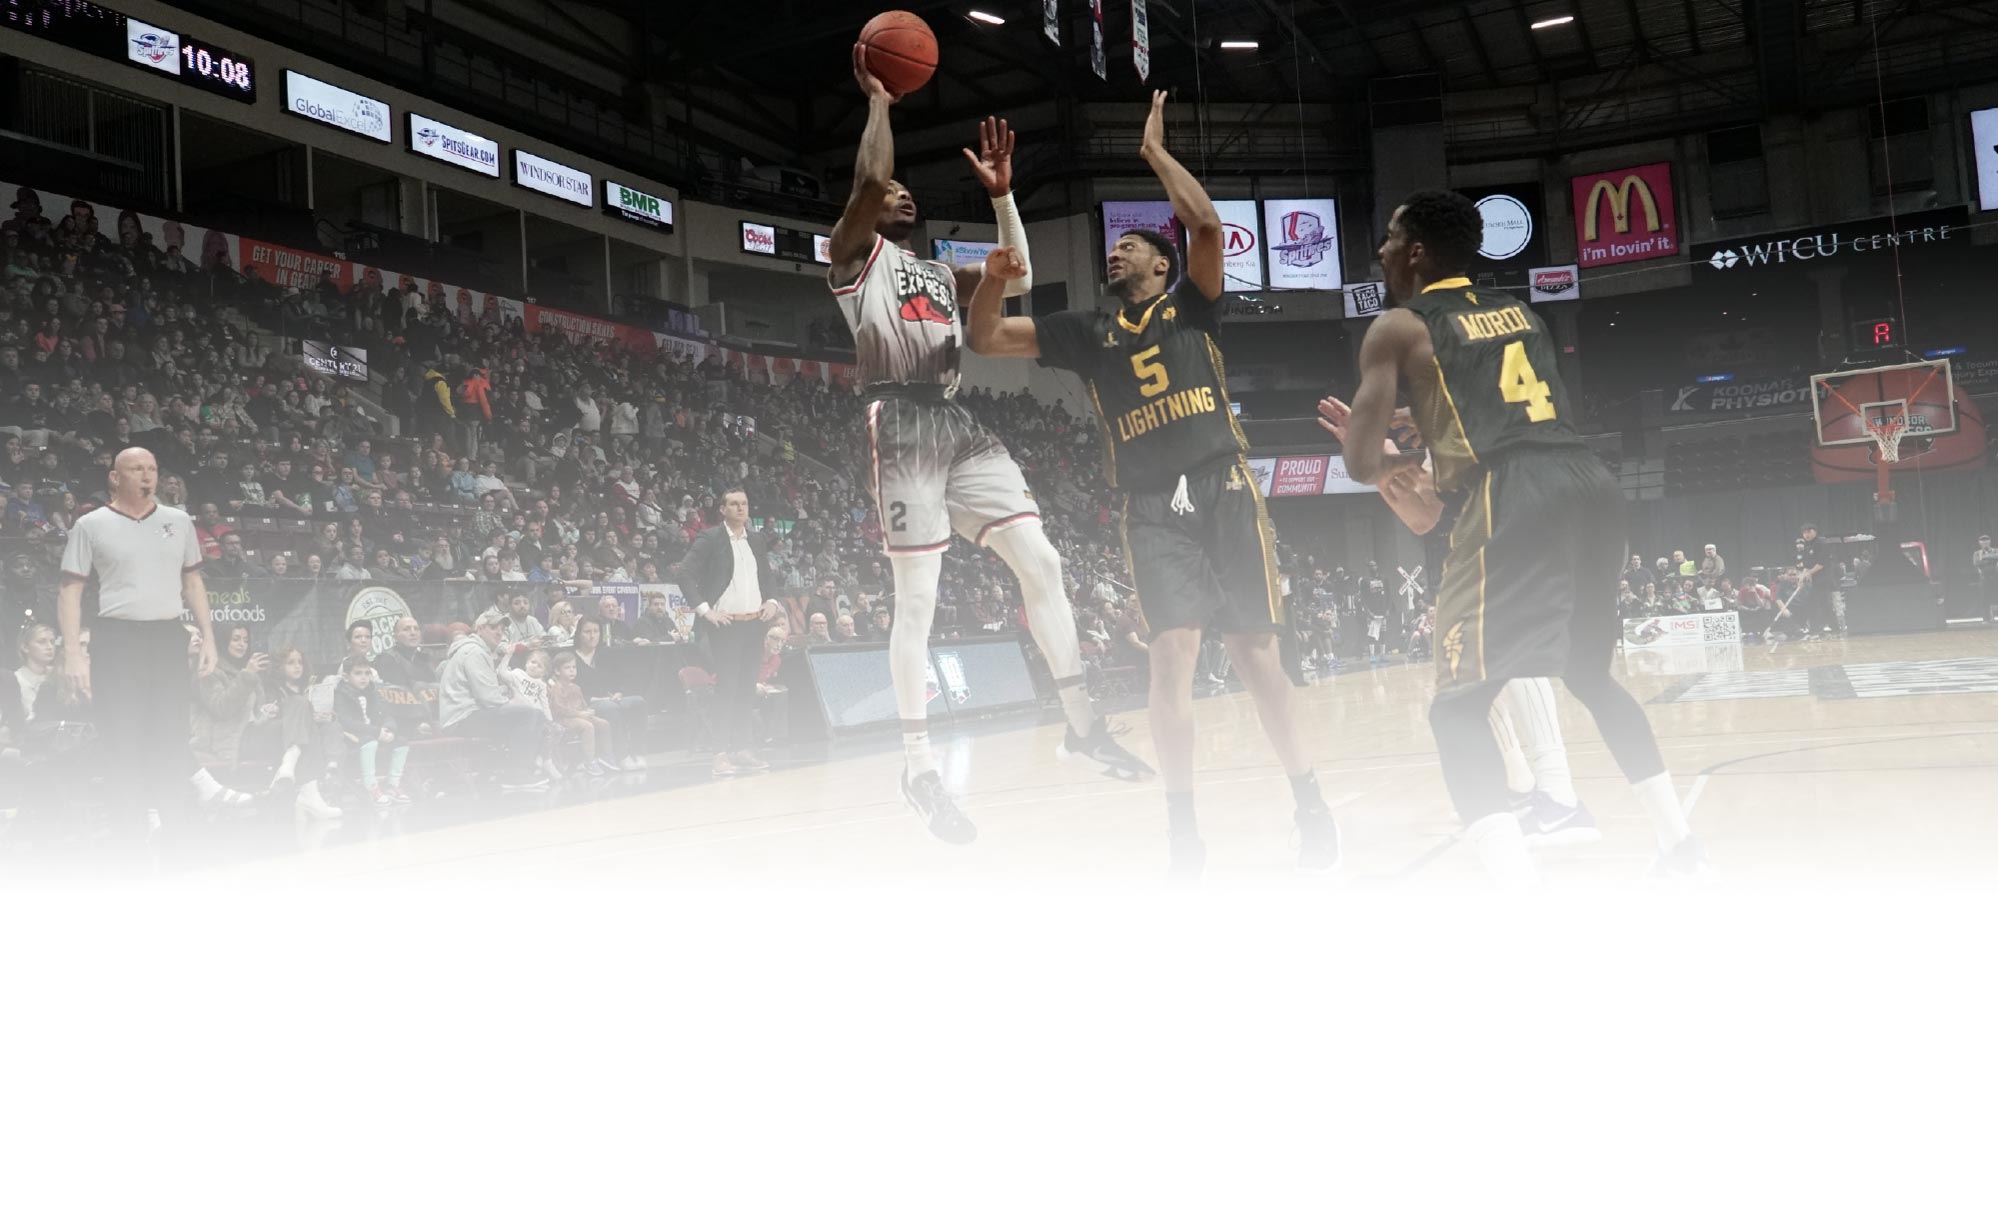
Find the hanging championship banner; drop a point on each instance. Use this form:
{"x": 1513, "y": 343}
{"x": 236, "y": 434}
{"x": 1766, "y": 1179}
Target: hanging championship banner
{"x": 1096, "y": 60}
{"x": 1141, "y": 40}
{"x": 1051, "y": 20}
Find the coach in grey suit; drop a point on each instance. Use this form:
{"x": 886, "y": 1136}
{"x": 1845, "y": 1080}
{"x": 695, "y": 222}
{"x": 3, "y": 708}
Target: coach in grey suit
{"x": 727, "y": 575}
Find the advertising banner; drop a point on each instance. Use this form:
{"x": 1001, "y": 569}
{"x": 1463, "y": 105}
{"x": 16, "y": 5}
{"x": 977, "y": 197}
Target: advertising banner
{"x": 37, "y": 211}
{"x": 1264, "y": 471}
{"x": 551, "y": 179}
{"x": 1515, "y": 236}
{"x": 1559, "y": 284}
{"x": 1121, "y": 216}
{"x": 446, "y": 143}
{"x": 1141, "y": 40}
{"x": 961, "y": 253}
{"x": 1366, "y": 299}
{"x": 1700, "y": 628}
{"x": 1241, "y": 246}
{"x": 1762, "y": 396}
{"x": 1097, "y": 63}
{"x": 963, "y": 678}
{"x": 1984, "y": 137}
{"x": 332, "y": 360}
{"x": 636, "y": 205}
{"x": 1939, "y": 230}
{"x": 1625, "y": 215}
{"x": 759, "y": 238}
{"x": 1299, "y": 476}
{"x": 1303, "y": 243}
{"x": 342, "y": 108}
{"x": 291, "y": 269}
{"x": 1051, "y": 20}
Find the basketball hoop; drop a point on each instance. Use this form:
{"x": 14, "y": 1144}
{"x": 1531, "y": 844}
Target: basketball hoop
{"x": 1887, "y": 433}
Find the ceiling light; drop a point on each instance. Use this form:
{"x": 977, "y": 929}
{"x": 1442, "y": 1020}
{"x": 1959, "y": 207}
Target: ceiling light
{"x": 1551, "y": 22}
{"x": 1240, "y": 44}
{"x": 985, "y": 18}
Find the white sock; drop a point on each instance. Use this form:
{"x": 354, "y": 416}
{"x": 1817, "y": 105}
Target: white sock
{"x": 1076, "y": 707}
{"x": 1529, "y": 703}
{"x": 916, "y": 752}
{"x": 205, "y": 784}
{"x": 1668, "y": 817}
{"x": 1502, "y": 849}
{"x": 1518, "y": 776}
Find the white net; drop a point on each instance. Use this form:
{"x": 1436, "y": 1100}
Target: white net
{"x": 1887, "y": 433}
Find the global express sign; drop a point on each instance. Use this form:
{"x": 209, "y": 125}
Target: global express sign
{"x": 1625, "y": 215}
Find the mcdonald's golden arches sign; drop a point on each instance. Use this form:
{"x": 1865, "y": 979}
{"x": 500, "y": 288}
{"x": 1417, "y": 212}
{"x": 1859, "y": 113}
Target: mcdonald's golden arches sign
{"x": 1625, "y": 215}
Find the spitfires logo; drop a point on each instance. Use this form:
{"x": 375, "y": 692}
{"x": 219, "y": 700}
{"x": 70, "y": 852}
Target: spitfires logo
{"x": 1304, "y": 239}
{"x": 155, "y": 47}
{"x": 428, "y": 136}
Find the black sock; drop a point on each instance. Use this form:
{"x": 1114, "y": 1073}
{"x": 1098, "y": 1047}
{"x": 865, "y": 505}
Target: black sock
{"x": 1179, "y": 811}
{"x": 1304, "y": 789}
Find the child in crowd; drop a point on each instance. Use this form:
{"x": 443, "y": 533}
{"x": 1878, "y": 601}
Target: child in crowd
{"x": 529, "y": 675}
{"x": 574, "y": 714}
{"x": 365, "y": 718}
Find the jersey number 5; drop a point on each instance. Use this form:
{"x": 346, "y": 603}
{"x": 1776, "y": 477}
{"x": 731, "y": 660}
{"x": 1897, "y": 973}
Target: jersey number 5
{"x": 1518, "y": 383}
{"x": 1154, "y": 376}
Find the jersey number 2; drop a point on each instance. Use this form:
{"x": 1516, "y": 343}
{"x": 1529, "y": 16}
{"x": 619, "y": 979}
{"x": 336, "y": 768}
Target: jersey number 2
{"x": 1154, "y": 376}
{"x": 898, "y": 515}
{"x": 1518, "y": 383}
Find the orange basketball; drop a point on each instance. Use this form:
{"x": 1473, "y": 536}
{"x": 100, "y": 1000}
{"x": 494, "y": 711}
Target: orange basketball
{"x": 901, "y": 51}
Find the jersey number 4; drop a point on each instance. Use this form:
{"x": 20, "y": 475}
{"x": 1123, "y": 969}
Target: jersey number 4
{"x": 1518, "y": 383}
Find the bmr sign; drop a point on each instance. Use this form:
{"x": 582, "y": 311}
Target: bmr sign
{"x": 1625, "y": 215}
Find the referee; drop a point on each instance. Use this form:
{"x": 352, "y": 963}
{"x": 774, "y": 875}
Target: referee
{"x": 147, "y": 562}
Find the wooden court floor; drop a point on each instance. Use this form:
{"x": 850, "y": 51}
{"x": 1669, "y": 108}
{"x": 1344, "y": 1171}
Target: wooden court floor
{"x": 1871, "y": 759}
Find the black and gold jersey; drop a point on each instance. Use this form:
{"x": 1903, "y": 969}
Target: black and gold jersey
{"x": 1497, "y": 386}
{"x": 1157, "y": 380}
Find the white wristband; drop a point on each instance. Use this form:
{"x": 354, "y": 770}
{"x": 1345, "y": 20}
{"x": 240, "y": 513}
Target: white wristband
{"x": 1013, "y": 234}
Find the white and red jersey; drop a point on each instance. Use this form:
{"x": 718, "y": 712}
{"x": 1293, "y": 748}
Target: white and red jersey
{"x": 903, "y": 314}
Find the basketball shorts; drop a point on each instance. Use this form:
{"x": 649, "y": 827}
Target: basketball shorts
{"x": 1530, "y": 583}
{"x": 1211, "y": 567}
{"x": 936, "y": 470}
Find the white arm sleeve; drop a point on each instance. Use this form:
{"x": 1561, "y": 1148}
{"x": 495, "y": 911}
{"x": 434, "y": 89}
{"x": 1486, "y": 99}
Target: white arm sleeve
{"x": 1013, "y": 234}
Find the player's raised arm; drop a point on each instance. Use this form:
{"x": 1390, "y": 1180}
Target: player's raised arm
{"x": 1190, "y": 204}
{"x": 993, "y": 165}
{"x": 987, "y": 329}
{"x": 873, "y": 172}
{"x": 1382, "y": 354}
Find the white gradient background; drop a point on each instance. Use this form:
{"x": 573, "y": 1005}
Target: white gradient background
{"x": 521, "y": 1042}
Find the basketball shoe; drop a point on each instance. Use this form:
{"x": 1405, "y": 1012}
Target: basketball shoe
{"x": 932, "y": 802}
{"x": 1317, "y": 839}
{"x": 1547, "y": 822}
{"x": 1099, "y": 745}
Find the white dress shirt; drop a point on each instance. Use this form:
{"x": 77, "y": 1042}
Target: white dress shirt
{"x": 744, "y": 594}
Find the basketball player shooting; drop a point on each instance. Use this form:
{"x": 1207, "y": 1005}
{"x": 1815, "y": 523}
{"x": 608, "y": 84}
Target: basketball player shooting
{"x": 1529, "y": 586}
{"x": 935, "y": 466}
{"x": 1197, "y": 536}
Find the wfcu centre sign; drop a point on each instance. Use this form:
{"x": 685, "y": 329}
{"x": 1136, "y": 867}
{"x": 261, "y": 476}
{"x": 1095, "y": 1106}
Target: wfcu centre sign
{"x": 1625, "y": 215}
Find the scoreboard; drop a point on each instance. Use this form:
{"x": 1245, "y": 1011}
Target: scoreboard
{"x": 108, "y": 33}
